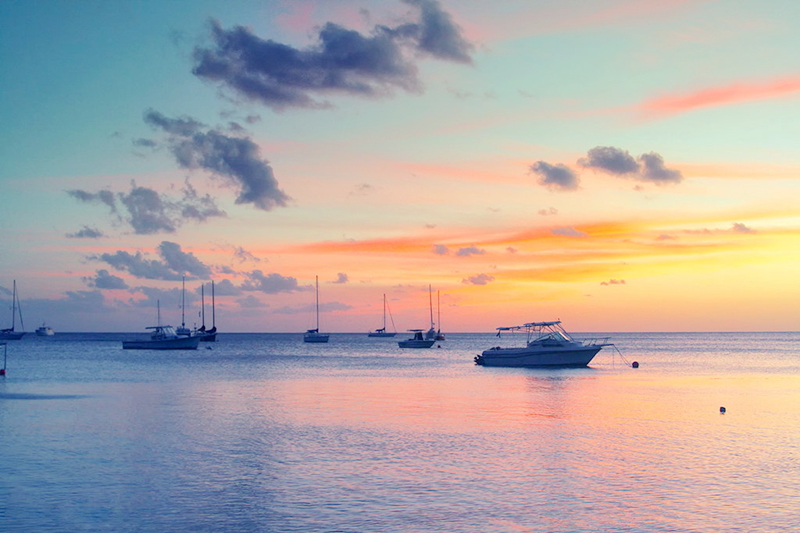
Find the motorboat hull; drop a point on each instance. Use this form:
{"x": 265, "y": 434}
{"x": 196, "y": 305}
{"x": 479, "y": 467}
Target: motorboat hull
{"x": 180, "y": 343}
{"x": 415, "y": 343}
{"x": 532, "y": 358}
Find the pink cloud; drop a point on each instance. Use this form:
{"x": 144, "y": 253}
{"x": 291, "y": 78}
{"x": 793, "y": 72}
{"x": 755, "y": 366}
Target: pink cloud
{"x": 669, "y": 105}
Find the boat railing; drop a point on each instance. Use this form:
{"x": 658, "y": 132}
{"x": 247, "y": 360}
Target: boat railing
{"x": 595, "y": 341}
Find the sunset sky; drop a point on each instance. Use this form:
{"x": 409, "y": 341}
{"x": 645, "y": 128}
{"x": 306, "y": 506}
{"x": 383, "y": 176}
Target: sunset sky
{"x": 623, "y": 165}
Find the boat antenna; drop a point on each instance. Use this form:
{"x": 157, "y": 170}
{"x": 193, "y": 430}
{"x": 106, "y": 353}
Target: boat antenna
{"x": 430, "y": 302}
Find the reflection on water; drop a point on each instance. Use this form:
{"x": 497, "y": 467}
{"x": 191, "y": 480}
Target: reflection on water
{"x": 264, "y": 433}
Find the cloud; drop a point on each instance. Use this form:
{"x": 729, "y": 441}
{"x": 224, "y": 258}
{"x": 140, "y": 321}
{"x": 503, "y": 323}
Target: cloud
{"x": 342, "y": 61}
{"x": 647, "y": 167}
{"x": 166, "y": 298}
{"x": 250, "y": 302}
{"x": 149, "y": 212}
{"x": 342, "y": 278}
{"x": 470, "y": 250}
{"x": 568, "y": 232}
{"x": 86, "y": 233}
{"x": 235, "y": 159}
{"x": 243, "y": 255}
{"x": 174, "y": 265}
{"x": 549, "y": 211}
{"x": 555, "y": 176}
{"x": 440, "y": 249}
{"x": 613, "y": 282}
{"x": 669, "y": 105}
{"x": 738, "y": 227}
{"x": 271, "y": 283}
{"x": 611, "y": 160}
{"x": 104, "y": 280}
{"x": 226, "y": 287}
{"x": 480, "y": 279}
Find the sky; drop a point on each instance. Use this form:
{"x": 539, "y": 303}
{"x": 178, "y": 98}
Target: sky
{"x": 620, "y": 165}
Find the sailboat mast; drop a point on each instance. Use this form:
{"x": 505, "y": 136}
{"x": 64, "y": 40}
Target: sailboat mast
{"x": 203, "y": 305}
{"x": 316, "y": 298}
{"x": 430, "y": 302}
{"x": 213, "y": 312}
{"x": 438, "y": 311}
{"x": 183, "y": 301}
{"x": 14, "y": 306}
{"x": 384, "y": 312}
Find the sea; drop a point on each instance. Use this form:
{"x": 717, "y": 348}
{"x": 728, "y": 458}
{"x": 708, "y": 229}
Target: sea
{"x": 264, "y": 433}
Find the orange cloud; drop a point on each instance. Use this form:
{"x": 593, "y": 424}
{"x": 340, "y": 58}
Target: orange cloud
{"x": 669, "y": 105}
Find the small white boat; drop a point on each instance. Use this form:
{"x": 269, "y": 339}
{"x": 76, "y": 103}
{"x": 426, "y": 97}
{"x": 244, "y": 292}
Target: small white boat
{"x": 44, "y": 331}
{"x": 416, "y": 341}
{"x": 381, "y": 332}
{"x": 547, "y": 345}
{"x": 163, "y": 338}
{"x": 313, "y": 335}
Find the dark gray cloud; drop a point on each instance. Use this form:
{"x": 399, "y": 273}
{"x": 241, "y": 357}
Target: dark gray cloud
{"x": 226, "y": 287}
{"x": 183, "y": 262}
{"x": 440, "y": 249}
{"x": 480, "y": 279}
{"x": 647, "y": 167}
{"x": 342, "y": 61}
{"x": 235, "y": 159}
{"x": 613, "y": 282}
{"x": 555, "y": 176}
{"x": 610, "y": 159}
{"x": 175, "y": 264}
{"x": 86, "y": 233}
{"x": 470, "y": 250}
{"x": 271, "y": 283}
{"x": 104, "y": 280}
{"x": 250, "y": 302}
{"x": 341, "y": 278}
{"x": 149, "y": 212}
{"x": 653, "y": 169}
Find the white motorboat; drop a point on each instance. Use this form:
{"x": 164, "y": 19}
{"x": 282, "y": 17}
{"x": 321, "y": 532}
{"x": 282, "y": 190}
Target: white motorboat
{"x": 381, "y": 332}
{"x": 417, "y": 340}
{"x": 313, "y": 335}
{"x": 44, "y": 331}
{"x": 10, "y": 334}
{"x": 547, "y": 345}
{"x": 163, "y": 338}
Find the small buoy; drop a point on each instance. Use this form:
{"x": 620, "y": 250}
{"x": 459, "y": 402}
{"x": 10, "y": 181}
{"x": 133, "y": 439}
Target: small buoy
{"x": 635, "y": 364}
{"x": 722, "y": 410}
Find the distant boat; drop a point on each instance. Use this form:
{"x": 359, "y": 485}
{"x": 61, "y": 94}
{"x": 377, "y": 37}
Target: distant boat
{"x": 381, "y": 332}
{"x": 209, "y": 335}
{"x": 416, "y": 341}
{"x": 313, "y": 335}
{"x": 163, "y": 338}
{"x": 44, "y": 331}
{"x": 547, "y": 345}
{"x": 9, "y": 334}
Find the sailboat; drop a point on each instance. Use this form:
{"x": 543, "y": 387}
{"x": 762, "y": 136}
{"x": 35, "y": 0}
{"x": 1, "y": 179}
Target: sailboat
{"x": 431, "y": 333}
{"x": 211, "y": 334}
{"x": 182, "y": 329}
{"x": 9, "y": 334}
{"x": 439, "y": 334}
{"x": 313, "y": 335}
{"x": 381, "y": 332}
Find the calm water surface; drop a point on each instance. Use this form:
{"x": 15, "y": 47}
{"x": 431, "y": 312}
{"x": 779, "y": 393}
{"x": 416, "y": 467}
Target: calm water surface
{"x": 266, "y": 433}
